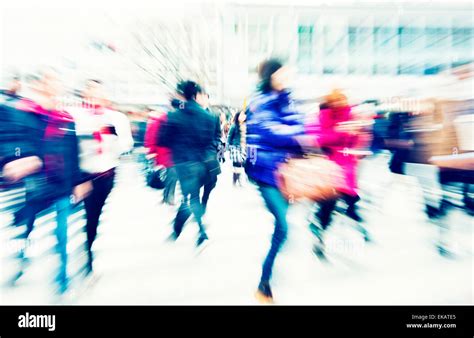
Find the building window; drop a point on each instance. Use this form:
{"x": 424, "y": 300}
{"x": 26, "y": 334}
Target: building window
{"x": 335, "y": 50}
{"x": 360, "y": 50}
{"x": 385, "y": 50}
{"x": 306, "y": 62}
{"x": 411, "y": 46}
{"x": 437, "y": 49}
{"x": 258, "y": 44}
{"x": 462, "y": 46}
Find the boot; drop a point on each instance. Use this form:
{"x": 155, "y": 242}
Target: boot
{"x": 319, "y": 246}
{"x": 237, "y": 180}
{"x": 352, "y": 213}
{"x": 352, "y": 208}
{"x": 264, "y": 293}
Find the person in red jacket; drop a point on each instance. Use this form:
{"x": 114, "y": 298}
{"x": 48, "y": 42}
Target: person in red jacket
{"x": 338, "y": 134}
{"x": 162, "y": 155}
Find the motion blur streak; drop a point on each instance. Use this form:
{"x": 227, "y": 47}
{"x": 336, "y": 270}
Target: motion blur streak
{"x": 324, "y": 151}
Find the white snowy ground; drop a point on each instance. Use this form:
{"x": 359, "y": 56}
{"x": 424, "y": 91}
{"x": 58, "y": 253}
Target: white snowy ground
{"x": 136, "y": 265}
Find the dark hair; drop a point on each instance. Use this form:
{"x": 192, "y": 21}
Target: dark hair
{"x": 236, "y": 118}
{"x": 99, "y": 82}
{"x": 265, "y": 71}
{"x": 189, "y": 89}
{"x": 176, "y": 103}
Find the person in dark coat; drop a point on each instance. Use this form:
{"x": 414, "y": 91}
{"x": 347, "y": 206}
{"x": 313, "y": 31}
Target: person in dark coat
{"x": 53, "y": 141}
{"x": 236, "y": 144}
{"x": 213, "y": 156}
{"x": 19, "y": 131}
{"x": 189, "y": 133}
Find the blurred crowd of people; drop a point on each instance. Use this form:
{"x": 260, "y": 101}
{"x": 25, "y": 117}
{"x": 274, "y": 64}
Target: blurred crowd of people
{"x": 66, "y": 155}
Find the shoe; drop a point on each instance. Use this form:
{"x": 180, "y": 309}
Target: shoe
{"x": 62, "y": 286}
{"x": 318, "y": 250}
{"x": 366, "y": 235}
{"x": 88, "y": 270}
{"x": 316, "y": 230}
{"x": 13, "y": 281}
{"x": 169, "y": 201}
{"x": 353, "y": 214}
{"x": 202, "y": 238}
{"x": 444, "y": 251}
{"x": 264, "y": 293}
{"x": 172, "y": 238}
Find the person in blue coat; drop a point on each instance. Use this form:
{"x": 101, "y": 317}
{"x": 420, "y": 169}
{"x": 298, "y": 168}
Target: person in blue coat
{"x": 274, "y": 131}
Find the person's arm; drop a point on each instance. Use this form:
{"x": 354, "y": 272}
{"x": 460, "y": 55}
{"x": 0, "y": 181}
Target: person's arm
{"x": 217, "y": 134}
{"x": 232, "y": 132}
{"x": 330, "y": 135}
{"x": 124, "y": 133}
{"x": 20, "y": 143}
{"x": 81, "y": 185}
{"x": 270, "y": 131}
{"x": 151, "y": 134}
{"x": 166, "y": 132}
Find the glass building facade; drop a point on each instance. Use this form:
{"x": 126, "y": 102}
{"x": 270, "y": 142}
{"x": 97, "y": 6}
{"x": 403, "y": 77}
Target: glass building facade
{"x": 350, "y": 41}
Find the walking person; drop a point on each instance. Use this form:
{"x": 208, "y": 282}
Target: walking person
{"x": 162, "y": 155}
{"x": 236, "y": 142}
{"x": 104, "y": 136}
{"x": 54, "y": 142}
{"x": 189, "y": 132}
{"x": 222, "y": 145}
{"x": 11, "y": 92}
{"x": 337, "y": 135}
{"x": 213, "y": 153}
{"x": 273, "y": 128}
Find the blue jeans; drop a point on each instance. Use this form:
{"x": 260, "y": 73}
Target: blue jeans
{"x": 191, "y": 177}
{"x": 278, "y": 206}
{"x": 63, "y": 210}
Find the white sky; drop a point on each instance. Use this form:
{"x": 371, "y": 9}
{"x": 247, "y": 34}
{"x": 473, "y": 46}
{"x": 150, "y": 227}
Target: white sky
{"x": 179, "y": 3}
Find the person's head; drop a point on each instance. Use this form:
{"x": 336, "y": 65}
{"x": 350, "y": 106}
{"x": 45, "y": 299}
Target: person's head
{"x": 190, "y": 90}
{"x": 46, "y": 83}
{"x": 14, "y": 85}
{"x": 94, "y": 91}
{"x": 242, "y": 117}
{"x": 10, "y": 81}
{"x": 235, "y": 119}
{"x": 239, "y": 117}
{"x": 336, "y": 99}
{"x": 223, "y": 117}
{"x": 273, "y": 76}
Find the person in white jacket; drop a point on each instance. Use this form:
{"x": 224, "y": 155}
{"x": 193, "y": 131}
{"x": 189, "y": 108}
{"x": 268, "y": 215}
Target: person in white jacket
{"x": 104, "y": 135}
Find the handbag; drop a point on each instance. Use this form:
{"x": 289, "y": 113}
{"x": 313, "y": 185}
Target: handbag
{"x": 312, "y": 177}
{"x": 156, "y": 176}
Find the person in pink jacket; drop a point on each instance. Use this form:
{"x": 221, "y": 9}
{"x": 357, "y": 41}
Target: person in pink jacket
{"x": 162, "y": 155}
{"x": 338, "y": 135}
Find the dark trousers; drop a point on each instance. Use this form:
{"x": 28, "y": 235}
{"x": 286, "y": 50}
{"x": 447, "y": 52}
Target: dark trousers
{"x": 191, "y": 177}
{"x": 326, "y": 208}
{"x": 170, "y": 185}
{"x": 27, "y": 215}
{"x": 278, "y": 206}
{"x": 102, "y": 186}
{"x": 208, "y": 187}
{"x": 397, "y": 163}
